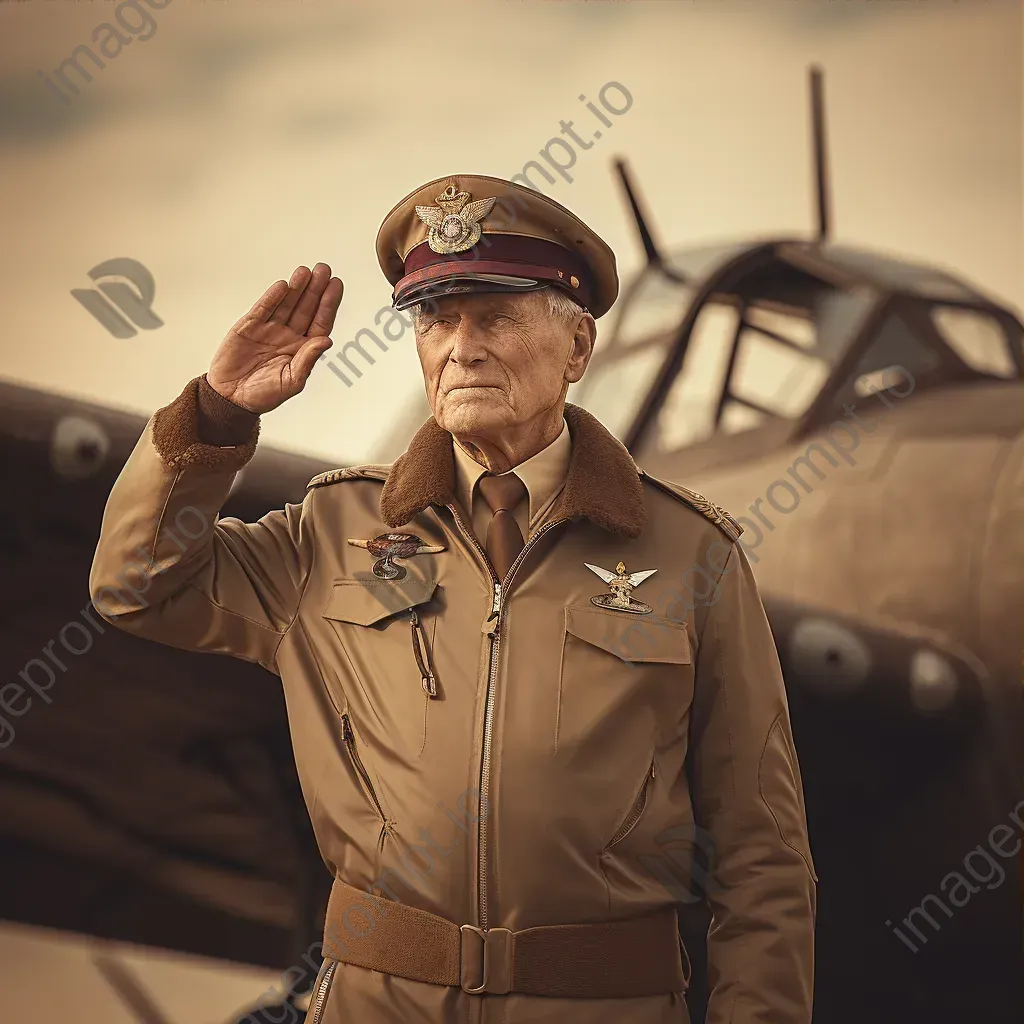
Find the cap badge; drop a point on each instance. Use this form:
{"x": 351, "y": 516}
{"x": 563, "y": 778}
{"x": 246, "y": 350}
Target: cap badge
{"x": 454, "y": 222}
{"x": 622, "y": 583}
{"x": 389, "y": 546}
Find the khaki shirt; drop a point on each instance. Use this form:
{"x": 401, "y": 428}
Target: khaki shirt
{"x": 543, "y": 474}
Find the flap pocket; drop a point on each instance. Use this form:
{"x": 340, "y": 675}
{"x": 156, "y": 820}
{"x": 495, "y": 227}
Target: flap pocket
{"x": 365, "y": 602}
{"x": 630, "y": 637}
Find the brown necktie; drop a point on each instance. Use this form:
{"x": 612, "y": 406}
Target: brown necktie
{"x": 504, "y": 538}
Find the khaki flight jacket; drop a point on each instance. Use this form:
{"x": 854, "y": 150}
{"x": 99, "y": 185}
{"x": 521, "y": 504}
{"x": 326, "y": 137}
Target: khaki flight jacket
{"x": 512, "y": 756}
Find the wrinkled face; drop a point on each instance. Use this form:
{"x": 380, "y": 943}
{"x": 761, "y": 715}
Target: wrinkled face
{"x": 496, "y": 361}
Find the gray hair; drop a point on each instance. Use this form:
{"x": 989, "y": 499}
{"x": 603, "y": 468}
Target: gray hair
{"x": 561, "y": 306}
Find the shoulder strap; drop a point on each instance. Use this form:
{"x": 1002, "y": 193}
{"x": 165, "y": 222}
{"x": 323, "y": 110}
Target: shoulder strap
{"x": 725, "y": 522}
{"x": 334, "y": 476}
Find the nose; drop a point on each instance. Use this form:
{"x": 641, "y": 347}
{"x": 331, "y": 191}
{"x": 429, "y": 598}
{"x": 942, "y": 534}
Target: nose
{"x": 467, "y": 344}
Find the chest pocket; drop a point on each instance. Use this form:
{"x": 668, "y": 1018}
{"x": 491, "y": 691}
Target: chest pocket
{"x": 621, "y": 677}
{"x": 386, "y": 628}
{"x": 367, "y": 602}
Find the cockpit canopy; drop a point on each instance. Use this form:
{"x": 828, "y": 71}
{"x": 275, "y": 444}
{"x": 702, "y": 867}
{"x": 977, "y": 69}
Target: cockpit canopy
{"x": 784, "y": 334}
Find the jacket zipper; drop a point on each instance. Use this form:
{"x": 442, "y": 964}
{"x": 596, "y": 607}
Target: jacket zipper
{"x": 350, "y": 743}
{"x": 321, "y": 994}
{"x": 422, "y": 653}
{"x": 492, "y": 663}
{"x": 639, "y": 805}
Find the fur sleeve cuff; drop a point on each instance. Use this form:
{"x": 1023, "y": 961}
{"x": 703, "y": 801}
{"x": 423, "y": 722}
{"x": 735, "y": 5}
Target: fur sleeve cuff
{"x": 183, "y": 430}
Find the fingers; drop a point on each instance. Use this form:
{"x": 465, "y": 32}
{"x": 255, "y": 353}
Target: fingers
{"x": 303, "y": 361}
{"x": 266, "y": 303}
{"x": 323, "y": 322}
{"x": 296, "y": 284}
{"x": 309, "y": 300}
{"x": 309, "y": 297}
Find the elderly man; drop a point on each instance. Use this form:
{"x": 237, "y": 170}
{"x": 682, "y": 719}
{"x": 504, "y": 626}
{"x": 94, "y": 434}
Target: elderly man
{"x": 501, "y": 721}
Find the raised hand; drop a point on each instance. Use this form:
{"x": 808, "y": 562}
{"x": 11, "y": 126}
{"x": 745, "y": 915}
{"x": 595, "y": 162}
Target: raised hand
{"x": 268, "y": 355}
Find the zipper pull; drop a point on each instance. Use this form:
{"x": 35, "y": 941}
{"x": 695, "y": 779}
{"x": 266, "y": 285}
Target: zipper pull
{"x": 385, "y": 830}
{"x": 422, "y": 655}
{"x": 346, "y": 729}
{"x": 496, "y": 603}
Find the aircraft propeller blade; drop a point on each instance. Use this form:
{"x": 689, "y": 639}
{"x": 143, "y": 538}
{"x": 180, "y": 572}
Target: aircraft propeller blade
{"x": 820, "y": 144}
{"x": 646, "y": 238}
{"x": 130, "y": 990}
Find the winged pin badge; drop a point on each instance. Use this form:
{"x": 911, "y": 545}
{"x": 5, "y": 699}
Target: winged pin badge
{"x": 622, "y": 583}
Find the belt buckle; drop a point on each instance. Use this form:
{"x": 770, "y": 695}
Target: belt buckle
{"x": 495, "y": 958}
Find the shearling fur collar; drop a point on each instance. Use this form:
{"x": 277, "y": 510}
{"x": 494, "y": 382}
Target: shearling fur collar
{"x": 603, "y": 481}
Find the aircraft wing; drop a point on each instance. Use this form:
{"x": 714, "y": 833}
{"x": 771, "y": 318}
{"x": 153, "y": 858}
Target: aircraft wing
{"x": 903, "y": 762}
{"x": 911, "y": 680}
{"x": 146, "y": 794}
{"x": 906, "y": 752}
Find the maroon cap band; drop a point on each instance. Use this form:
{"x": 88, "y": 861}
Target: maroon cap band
{"x": 512, "y": 255}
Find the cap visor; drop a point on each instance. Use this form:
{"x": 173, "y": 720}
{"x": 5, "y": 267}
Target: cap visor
{"x": 460, "y": 284}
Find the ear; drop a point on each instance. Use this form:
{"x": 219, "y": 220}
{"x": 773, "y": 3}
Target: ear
{"x": 582, "y": 348}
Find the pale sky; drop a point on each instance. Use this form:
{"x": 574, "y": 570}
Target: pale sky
{"x": 242, "y": 139}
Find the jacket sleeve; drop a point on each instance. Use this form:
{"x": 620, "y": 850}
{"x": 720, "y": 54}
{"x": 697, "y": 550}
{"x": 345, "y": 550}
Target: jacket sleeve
{"x": 168, "y": 569}
{"x": 748, "y": 796}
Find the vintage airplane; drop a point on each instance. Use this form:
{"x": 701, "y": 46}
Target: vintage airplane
{"x": 147, "y": 795}
{"x": 863, "y": 415}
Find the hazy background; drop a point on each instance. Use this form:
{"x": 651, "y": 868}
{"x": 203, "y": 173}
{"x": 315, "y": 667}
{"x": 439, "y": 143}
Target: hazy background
{"x": 244, "y": 138}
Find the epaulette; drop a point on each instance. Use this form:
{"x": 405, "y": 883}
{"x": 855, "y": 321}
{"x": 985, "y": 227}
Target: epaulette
{"x": 333, "y": 476}
{"x": 725, "y": 522}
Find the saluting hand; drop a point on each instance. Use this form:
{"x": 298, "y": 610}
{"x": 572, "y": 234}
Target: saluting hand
{"x": 268, "y": 355}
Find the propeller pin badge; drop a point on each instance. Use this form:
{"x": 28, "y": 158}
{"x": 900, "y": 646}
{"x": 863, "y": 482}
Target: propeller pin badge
{"x": 390, "y": 546}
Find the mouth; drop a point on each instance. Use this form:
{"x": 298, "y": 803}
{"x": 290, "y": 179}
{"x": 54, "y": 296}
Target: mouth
{"x": 471, "y": 387}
